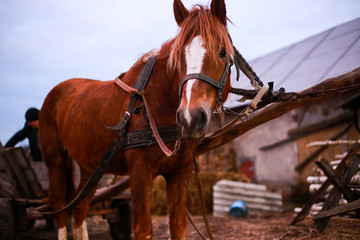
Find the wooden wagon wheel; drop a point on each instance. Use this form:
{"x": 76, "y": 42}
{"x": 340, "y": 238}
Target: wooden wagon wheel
{"x": 7, "y": 219}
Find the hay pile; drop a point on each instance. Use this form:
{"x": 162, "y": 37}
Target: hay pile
{"x": 208, "y": 179}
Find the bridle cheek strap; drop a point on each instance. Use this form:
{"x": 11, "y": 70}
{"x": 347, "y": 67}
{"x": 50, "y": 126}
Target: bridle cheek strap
{"x": 220, "y": 85}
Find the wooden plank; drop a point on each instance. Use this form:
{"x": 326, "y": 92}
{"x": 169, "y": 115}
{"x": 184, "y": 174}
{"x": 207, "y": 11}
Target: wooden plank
{"x": 331, "y": 142}
{"x": 19, "y": 191}
{"x": 312, "y": 156}
{"x": 25, "y": 175}
{"x": 20, "y": 171}
{"x": 6, "y": 189}
{"x": 351, "y": 206}
{"x": 16, "y": 167}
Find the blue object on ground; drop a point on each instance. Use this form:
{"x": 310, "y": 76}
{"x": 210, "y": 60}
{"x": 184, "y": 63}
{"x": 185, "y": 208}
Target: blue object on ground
{"x": 238, "y": 209}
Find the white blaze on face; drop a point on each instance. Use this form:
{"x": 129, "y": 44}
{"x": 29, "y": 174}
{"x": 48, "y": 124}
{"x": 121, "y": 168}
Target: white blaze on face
{"x": 194, "y": 56}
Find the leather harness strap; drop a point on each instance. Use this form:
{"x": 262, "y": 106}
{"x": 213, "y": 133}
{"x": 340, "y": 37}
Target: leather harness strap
{"x": 119, "y": 143}
{"x": 153, "y": 127}
{"x": 139, "y": 87}
{"x": 145, "y": 137}
{"x": 161, "y": 143}
{"x": 217, "y": 84}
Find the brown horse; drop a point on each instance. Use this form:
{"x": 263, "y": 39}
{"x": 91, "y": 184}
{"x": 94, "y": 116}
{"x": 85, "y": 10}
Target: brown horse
{"x": 75, "y": 114}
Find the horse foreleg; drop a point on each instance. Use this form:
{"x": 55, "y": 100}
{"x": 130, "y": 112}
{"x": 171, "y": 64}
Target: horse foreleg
{"x": 141, "y": 185}
{"x": 177, "y": 185}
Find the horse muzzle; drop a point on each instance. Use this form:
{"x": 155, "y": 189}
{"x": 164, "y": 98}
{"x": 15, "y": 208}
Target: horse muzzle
{"x": 193, "y": 123}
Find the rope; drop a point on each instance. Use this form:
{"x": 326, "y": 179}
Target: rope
{"x": 202, "y": 201}
{"x": 194, "y": 225}
{"x": 256, "y": 82}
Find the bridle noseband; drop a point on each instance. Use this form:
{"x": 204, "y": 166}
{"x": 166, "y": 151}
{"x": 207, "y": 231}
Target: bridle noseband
{"x": 220, "y": 85}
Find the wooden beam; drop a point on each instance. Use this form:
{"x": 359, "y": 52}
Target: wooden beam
{"x": 111, "y": 191}
{"x": 331, "y": 201}
{"x": 335, "y": 179}
{"x": 345, "y": 83}
{"x": 352, "y": 206}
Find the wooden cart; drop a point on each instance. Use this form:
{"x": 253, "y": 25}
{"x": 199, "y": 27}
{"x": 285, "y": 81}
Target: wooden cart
{"x": 23, "y": 184}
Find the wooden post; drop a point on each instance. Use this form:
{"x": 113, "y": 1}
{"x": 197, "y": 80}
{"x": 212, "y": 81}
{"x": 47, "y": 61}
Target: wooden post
{"x": 336, "y": 179}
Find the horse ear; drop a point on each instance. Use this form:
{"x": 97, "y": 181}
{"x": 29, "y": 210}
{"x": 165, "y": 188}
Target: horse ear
{"x": 180, "y": 12}
{"x": 219, "y": 10}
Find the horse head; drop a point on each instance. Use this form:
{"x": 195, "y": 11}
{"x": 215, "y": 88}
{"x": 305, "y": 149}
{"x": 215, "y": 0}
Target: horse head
{"x": 201, "y": 54}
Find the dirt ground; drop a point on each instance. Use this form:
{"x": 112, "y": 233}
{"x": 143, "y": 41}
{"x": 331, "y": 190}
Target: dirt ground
{"x": 267, "y": 226}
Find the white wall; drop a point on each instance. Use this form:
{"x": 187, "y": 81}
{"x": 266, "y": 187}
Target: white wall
{"x": 275, "y": 165}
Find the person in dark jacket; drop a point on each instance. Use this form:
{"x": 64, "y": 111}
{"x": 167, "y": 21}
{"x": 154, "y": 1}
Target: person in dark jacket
{"x": 29, "y": 131}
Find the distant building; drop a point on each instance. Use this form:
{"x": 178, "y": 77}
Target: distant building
{"x": 270, "y": 153}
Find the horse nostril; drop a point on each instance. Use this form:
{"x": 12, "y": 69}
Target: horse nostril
{"x": 178, "y": 117}
{"x": 202, "y": 120}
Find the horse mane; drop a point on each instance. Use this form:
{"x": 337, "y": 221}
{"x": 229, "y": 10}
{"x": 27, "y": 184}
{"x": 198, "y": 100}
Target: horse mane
{"x": 145, "y": 57}
{"x": 200, "y": 22}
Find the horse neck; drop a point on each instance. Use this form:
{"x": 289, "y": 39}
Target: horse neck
{"x": 161, "y": 90}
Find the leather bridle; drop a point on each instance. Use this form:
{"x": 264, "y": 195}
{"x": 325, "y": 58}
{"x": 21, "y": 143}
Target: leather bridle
{"x": 220, "y": 85}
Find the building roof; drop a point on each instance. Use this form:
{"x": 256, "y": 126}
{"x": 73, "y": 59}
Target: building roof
{"x": 308, "y": 62}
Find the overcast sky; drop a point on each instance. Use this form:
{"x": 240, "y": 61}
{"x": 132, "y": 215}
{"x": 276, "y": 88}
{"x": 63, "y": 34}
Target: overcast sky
{"x": 43, "y": 42}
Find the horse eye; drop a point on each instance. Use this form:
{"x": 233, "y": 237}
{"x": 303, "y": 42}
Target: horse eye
{"x": 222, "y": 53}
